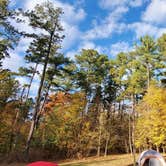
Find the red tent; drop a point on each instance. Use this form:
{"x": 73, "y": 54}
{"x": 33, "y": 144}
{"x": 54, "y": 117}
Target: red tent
{"x": 42, "y": 163}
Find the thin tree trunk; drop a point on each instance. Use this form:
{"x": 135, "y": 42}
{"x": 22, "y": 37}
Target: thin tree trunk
{"x": 106, "y": 145}
{"x": 12, "y": 132}
{"x": 133, "y": 130}
{"x": 16, "y": 121}
{"x": 126, "y": 146}
{"x": 37, "y": 105}
{"x": 148, "y": 77}
{"x": 163, "y": 150}
{"x": 99, "y": 142}
{"x": 22, "y": 94}
{"x": 42, "y": 107}
{"x": 43, "y": 138}
{"x": 157, "y": 148}
{"x": 33, "y": 74}
{"x": 130, "y": 142}
{"x": 100, "y": 129}
{"x": 107, "y": 126}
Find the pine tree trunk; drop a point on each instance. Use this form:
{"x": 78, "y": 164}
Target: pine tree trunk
{"x": 37, "y": 104}
{"x": 130, "y": 142}
{"x": 13, "y": 129}
{"x": 34, "y": 72}
{"x": 148, "y": 76}
{"x": 106, "y": 145}
{"x": 17, "y": 125}
{"x": 42, "y": 107}
{"x": 99, "y": 142}
{"x": 163, "y": 150}
{"x": 157, "y": 148}
{"x": 43, "y": 138}
{"x": 127, "y": 147}
{"x": 100, "y": 127}
{"x": 133, "y": 130}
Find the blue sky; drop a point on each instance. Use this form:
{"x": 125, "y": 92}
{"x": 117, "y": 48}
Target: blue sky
{"x": 109, "y": 26}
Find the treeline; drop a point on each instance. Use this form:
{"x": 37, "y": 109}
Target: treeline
{"x": 87, "y": 106}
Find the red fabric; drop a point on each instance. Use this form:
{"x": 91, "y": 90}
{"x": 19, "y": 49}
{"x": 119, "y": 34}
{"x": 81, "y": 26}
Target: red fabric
{"x": 42, "y": 163}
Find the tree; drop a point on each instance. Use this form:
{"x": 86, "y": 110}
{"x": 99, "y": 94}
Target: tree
{"x": 148, "y": 57}
{"x": 9, "y": 36}
{"x": 128, "y": 75}
{"x": 8, "y": 87}
{"x": 64, "y": 124}
{"x": 151, "y": 118}
{"x": 92, "y": 70}
{"x": 46, "y": 19}
{"x": 161, "y": 43}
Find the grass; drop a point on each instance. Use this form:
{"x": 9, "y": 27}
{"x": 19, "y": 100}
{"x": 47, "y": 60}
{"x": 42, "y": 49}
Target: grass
{"x": 112, "y": 160}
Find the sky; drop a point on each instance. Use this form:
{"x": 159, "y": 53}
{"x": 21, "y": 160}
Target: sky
{"x": 109, "y": 26}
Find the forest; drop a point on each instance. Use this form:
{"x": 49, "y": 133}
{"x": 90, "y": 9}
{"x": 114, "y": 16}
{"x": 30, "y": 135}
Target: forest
{"x": 87, "y": 106}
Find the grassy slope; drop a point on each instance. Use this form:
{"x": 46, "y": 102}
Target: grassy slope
{"x": 112, "y": 160}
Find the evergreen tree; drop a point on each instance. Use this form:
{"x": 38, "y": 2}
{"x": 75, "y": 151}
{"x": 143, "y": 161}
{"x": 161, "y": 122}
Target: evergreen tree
{"x": 46, "y": 19}
{"x": 9, "y": 36}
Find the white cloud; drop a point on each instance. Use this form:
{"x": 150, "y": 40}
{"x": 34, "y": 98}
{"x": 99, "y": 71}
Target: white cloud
{"x": 91, "y": 45}
{"x": 23, "y": 45}
{"x": 70, "y": 20}
{"x": 155, "y": 12}
{"x": 73, "y": 15}
{"x": 83, "y": 45}
{"x": 34, "y": 88}
{"x": 117, "y": 13}
{"x": 87, "y": 45}
{"x": 137, "y": 3}
{"x": 12, "y": 3}
{"x": 109, "y": 25}
{"x": 119, "y": 47}
{"x": 22, "y": 80}
{"x": 71, "y": 54}
{"x": 153, "y": 20}
{"x": 14, "y": 62}
{"x": 109, "y": 4}
{"x": 79, "y": 3}
{"x": 142, "y": 29}
{"x": 72, "y": 35}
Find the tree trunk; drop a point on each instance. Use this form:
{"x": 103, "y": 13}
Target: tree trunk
{"x": 130, "y": 142}
{"x": 99, "y": 142}
{"x": 106, "y": 145}
{"x": 42, "y": 107}
{"x": 148, "y": 76}
{"x": 100, "y": 129}
{"x": 43, "y": 138}
{"x": 126, "y": 146}
{"x": 33, "y": 74}
{"x": 163, "y": 150}
{"x": 37, "y": 104}
{"x": 133, "y": 130}
{"x": 157, "y": 147}
{"x": 22, "y": 94}
{"x": 13, "y": 131}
